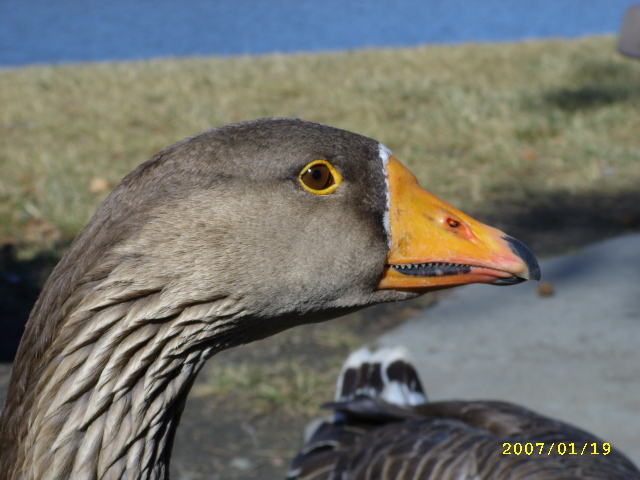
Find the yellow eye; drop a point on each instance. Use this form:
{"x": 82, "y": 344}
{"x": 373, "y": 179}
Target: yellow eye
{"x": 320, "y": 177}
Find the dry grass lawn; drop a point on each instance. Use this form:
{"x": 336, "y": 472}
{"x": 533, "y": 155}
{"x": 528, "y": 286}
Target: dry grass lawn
{"x": 479, "y": 124}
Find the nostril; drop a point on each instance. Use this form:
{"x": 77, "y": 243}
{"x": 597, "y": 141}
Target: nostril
{"x": 453, "y": 223}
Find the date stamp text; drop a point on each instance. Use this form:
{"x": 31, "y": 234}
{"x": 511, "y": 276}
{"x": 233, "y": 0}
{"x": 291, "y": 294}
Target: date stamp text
{"x": 562, "y": 448}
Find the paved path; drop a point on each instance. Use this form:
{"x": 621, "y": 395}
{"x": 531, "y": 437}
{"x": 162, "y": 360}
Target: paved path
{"x": 574, "y": 355}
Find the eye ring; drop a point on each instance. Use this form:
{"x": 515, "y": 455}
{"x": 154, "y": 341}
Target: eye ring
{"x": 320, "y": 177}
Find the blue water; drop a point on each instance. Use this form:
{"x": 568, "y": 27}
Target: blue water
{"x": 45, "y": 31}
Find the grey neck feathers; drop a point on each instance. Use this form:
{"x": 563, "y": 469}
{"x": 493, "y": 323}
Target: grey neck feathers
{"x": 108, "y": 358}
{"x": 108, "y": 404}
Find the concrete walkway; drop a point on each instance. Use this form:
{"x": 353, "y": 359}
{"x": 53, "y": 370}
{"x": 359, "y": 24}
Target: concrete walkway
{"x": 574, "y": 355}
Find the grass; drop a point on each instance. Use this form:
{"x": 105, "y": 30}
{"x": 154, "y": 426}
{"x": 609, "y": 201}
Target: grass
{"x": 480, "y": 125}
{"x": 266, "y": 379}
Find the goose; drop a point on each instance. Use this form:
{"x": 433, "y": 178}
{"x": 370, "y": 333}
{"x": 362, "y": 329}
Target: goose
{"x": 384, "y": 428}
{"x": 221, "y": 239}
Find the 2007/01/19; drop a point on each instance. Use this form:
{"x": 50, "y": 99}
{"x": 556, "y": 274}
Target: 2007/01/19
{"x": 562, "y": 448}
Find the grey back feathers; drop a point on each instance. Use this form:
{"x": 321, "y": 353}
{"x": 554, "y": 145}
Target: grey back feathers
{"x": 380, "y": 431}
{"x": 184, "y": 259}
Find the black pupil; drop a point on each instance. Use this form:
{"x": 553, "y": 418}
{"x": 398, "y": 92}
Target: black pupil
{"x": 318, "y": 177}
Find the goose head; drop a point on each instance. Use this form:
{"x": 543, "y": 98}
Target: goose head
{"x": 299, "y": 220}
{"x": 221, "y": 239}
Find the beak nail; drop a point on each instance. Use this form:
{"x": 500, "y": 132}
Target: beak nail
{"x": 521, "y": 250}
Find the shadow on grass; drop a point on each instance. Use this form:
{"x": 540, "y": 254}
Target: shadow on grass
{"x": 20, "y": 285}
{"x": 596, "y": 85}
{"x": 589, "y": 97}
{"x": 552, "y": 224}
{"x": 549, "y": 224}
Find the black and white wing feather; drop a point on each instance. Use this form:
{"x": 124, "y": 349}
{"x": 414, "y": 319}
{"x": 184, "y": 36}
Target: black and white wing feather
{"x": 383, "y": 428}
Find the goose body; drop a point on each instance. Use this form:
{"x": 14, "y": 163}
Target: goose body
{"x": 384, "y": 428}
{"x": 221, "y": 239}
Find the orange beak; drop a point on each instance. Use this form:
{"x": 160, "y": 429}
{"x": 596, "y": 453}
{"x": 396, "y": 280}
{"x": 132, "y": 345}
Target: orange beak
{"x": 434, "y": 245}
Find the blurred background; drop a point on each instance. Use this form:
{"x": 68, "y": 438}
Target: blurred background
{"x": 36, "y": 31}
{"x": 523, "y": 114}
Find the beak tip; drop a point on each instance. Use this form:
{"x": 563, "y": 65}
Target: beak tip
{"x": 527, "y": 256}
